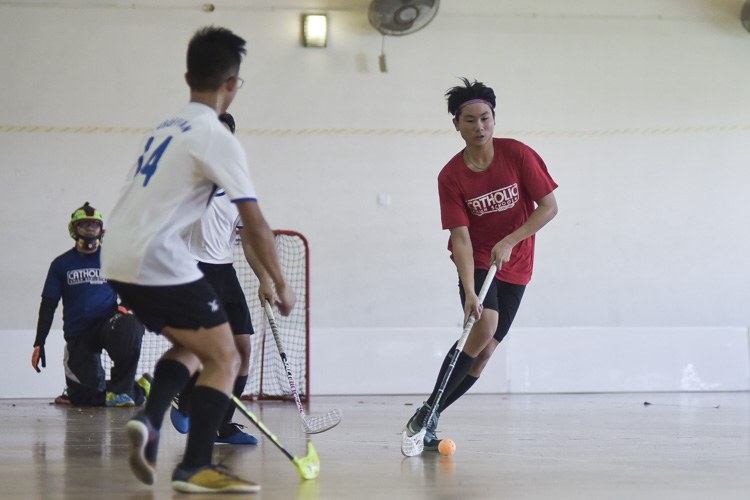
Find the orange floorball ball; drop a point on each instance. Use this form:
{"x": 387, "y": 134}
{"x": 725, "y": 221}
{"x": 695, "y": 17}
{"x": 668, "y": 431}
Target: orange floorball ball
{"x": 447, "y": 447}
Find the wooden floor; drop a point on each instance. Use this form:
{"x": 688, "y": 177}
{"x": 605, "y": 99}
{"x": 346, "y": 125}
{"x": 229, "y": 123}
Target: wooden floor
{"x": 605, "y": 446}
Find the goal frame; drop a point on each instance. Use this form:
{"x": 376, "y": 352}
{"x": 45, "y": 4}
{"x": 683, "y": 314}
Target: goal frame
{"x": 154, "y": 345}
{"x": 265, "y": 332}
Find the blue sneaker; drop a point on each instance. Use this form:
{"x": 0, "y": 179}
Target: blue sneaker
{"x": 118, "y": 400}
{"x": 180, "y": 421}
{"x": 232, "y": 433}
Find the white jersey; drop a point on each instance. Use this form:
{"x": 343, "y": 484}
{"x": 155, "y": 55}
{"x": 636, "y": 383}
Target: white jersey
{"x": 183, "y": 161}
{"x": 212, "y": 239}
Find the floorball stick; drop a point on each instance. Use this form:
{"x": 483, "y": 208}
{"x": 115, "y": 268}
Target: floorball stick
{"x": 308, "y": 467}
{"x": 310, "y": 424}
{"x": 412, "y": 445}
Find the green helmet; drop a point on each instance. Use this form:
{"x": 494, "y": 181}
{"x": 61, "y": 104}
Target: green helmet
{"x": 86, "y": 212}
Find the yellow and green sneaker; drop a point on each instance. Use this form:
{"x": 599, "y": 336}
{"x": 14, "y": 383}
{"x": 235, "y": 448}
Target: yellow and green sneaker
{"x": 118, "y": 400}
{"x": 145, "y": 383}
{"x": 210, "y": 479}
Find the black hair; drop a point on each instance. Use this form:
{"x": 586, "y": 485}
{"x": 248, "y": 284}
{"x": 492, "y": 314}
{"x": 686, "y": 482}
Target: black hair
{"x": 228, "y": 119}
{"x": 213, "y": 56}
{"x": 468, "y": 91}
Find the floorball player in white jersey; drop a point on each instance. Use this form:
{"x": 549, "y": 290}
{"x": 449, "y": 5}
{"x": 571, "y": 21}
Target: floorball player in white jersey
{"x": 211, "y": 242}
{"x": 180, "y": 165}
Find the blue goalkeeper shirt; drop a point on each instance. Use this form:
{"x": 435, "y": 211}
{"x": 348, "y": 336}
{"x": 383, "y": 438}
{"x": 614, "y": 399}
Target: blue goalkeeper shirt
{"x": 86, "y": 296}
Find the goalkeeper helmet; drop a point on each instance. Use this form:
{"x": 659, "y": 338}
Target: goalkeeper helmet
{"x": 86, "y": 213}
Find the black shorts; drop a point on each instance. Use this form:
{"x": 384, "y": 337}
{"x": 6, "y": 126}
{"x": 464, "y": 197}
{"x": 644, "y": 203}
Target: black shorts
{"x": 223, "y": 278}
{"x": 190, "y": 306}
{"x": 503, "y": 297}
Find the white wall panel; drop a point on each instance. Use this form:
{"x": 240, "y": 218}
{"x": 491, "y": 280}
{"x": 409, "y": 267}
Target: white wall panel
{"x": 628, "y": 359}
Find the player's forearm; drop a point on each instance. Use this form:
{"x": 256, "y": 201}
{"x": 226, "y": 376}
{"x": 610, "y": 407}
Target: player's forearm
{"x": 44, "y": 323}
{"x": 544, "y": 212}
{"x": 463, "y": 257}
{"x": 260, "y": 237}
{"x": 264, "y": 248}
{"x": 253, "y": 259}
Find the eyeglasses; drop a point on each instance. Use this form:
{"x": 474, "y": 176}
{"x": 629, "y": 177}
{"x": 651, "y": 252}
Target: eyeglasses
{"x": 240, "y": 81}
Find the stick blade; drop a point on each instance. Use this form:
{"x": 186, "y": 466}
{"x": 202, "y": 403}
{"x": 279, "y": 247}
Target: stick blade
{"x": 411, "y": 446}
{"x": 309, "y": 466}
{"x": 315, "y": 425}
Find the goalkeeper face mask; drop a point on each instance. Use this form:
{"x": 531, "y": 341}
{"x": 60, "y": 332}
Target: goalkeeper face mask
{"x": 86, "y": 227}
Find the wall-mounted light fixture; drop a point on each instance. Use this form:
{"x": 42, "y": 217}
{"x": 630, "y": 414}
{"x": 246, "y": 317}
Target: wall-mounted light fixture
{"x": 314, "y": 30}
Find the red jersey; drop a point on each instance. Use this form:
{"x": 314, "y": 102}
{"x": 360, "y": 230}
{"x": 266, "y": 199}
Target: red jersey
{"x": 495, "y": 202}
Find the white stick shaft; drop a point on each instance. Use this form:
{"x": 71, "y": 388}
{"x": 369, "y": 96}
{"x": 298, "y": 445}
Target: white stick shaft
{"x": 461, "y": 342}
{"x": 280, "y": 347}
{"x": 310, "y": 425}
{"x": 413, "y": 445}
{"x": 472, "y": 319}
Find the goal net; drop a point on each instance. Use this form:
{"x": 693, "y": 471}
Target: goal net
{"x": 267, "y": 378}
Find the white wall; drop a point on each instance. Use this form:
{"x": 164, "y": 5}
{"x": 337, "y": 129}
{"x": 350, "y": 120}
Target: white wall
{"x": 532, "y": 360}
{"x": 539, "y": 360}
{"x": 640, "y": 110}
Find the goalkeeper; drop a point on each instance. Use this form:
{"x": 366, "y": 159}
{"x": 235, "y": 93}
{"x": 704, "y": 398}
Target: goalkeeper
{"x": 92, "y": 321}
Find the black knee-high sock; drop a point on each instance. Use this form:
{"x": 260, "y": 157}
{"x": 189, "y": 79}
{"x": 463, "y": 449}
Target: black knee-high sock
{"x": 441, "y": 373}
{"x": 460, "y": 370}
{"x": 239, "y": 387}
{"x": 186, "y": 391}
{"x": 451, "y": 398}
{"x": 207, "y": 408}
{"x": 169, "y": 377}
